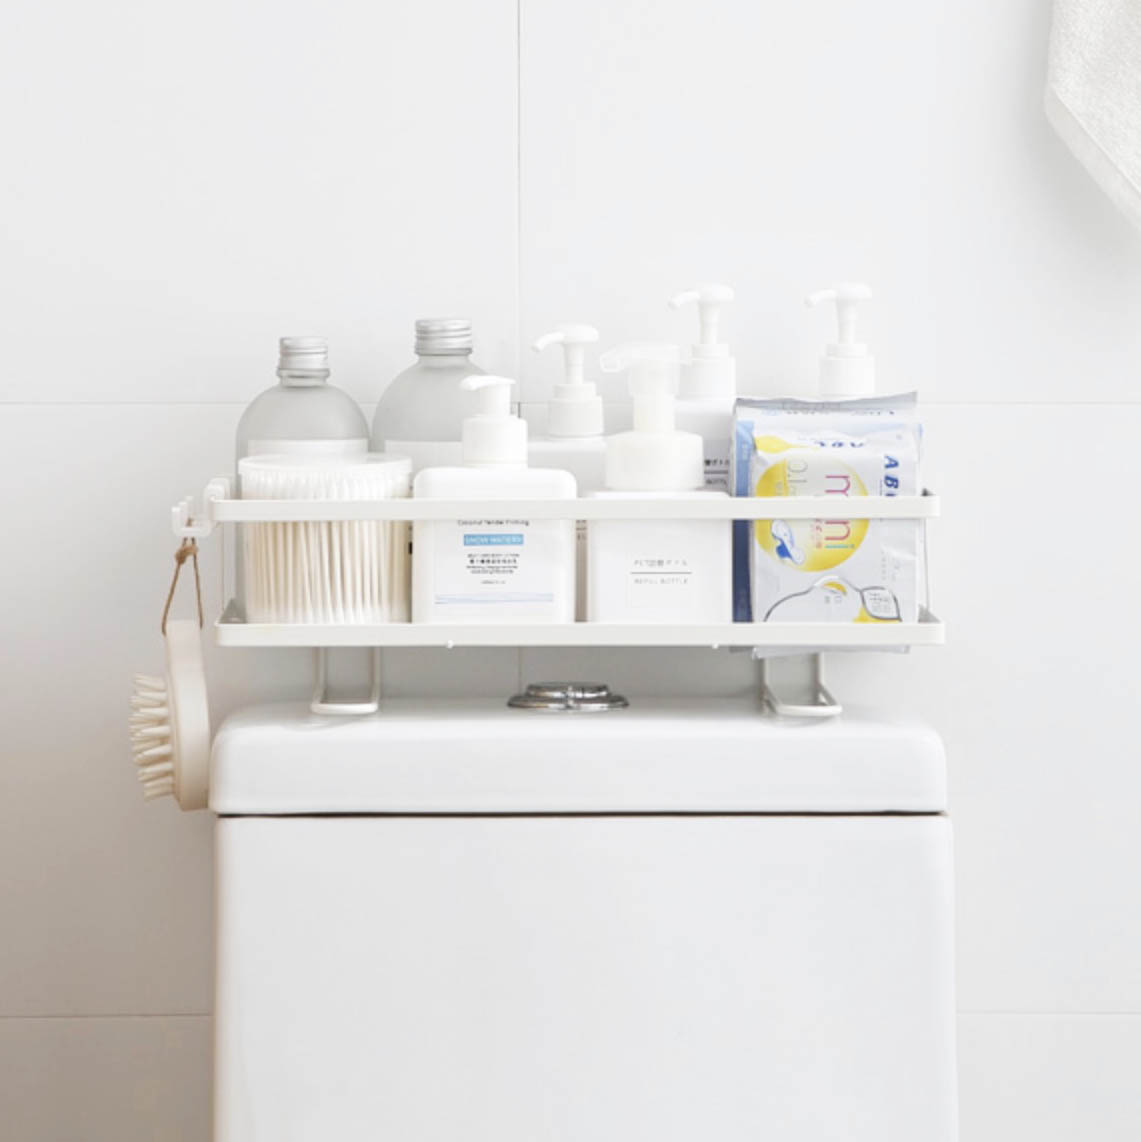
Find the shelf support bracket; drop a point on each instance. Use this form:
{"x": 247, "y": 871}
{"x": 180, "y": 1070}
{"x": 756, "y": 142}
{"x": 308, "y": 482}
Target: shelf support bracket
{"x": 805, "y": 696}
{"x": 321, "y": 703}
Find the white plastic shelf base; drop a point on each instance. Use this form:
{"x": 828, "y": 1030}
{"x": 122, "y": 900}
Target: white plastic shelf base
{"x": 929, "y": 631}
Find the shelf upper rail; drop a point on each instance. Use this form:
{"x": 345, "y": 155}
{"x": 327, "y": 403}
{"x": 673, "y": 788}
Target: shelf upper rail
{"x": 217, "y": 507}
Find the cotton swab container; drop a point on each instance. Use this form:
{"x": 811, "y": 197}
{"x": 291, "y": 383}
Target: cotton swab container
{"x": 339, "y": 571}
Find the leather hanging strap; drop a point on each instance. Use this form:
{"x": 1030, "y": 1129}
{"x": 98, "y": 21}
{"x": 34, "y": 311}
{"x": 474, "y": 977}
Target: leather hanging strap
{"x": 187, "y": 549}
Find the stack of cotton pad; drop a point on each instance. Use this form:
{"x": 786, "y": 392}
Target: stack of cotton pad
{"x": 352, "y": 571}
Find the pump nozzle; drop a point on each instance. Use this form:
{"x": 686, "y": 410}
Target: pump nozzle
{"x": 493, "y": 435}
{"x": 654, "y": 456}
{"x": 710, "y": 370}
{"x": 847, "y": 368}
{"x": 575, "y": 409}
{"x": 653, "y": 370}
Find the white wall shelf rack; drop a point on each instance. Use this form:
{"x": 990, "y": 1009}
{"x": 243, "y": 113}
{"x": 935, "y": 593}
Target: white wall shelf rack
{"x": 218, "y": 507}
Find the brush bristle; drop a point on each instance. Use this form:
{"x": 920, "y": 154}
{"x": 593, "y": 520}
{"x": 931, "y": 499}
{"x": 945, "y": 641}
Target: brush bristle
{"x": 150, "y": 729}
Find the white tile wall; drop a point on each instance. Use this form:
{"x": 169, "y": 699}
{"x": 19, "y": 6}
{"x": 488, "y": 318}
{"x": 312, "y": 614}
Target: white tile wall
{"x": 1050, "y": 1078}
{"x": 192, "y": 184}
{"x": 190, "y": 187}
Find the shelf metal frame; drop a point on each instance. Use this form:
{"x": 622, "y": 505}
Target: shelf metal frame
{"x": 216, "y": 506}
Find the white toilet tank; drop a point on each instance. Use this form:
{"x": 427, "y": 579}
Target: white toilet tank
{"x": 682, "y": 922}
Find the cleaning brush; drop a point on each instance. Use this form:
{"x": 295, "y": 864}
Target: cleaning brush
{"x": 170, "y": 722}
{"x": 332, "y": 571}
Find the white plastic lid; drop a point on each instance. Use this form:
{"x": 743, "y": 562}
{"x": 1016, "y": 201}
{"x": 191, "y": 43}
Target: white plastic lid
{"x": 494, "y": 435}
{"x": 847, "y": 368}
{"x": 575, "y": 408}
{"x": 655, "y": 456}
{"x": 710, "y": 371}
{"x": 660, "y": 755}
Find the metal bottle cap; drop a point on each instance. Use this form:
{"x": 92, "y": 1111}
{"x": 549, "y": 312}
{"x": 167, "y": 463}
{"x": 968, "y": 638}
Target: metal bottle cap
{"x": 443, "y": 336}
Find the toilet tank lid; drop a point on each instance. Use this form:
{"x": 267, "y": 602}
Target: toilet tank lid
{"x": 659, "y": 756}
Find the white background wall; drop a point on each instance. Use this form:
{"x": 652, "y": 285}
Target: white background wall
{"x": 183, "y": 184}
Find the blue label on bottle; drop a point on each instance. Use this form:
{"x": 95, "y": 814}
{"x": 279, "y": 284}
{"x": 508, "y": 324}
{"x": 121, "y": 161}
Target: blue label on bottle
{"x": 506, "y": 539}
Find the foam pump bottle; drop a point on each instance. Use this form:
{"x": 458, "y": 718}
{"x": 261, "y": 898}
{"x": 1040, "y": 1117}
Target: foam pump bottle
{"x": 573, "y": 440}
{"x": 708, "y": 385}
{"x": 421, "y": 413}
{"x": 651, "y": 570}
{"x": 493, "y": 570}
{"x": 847, "y": 367}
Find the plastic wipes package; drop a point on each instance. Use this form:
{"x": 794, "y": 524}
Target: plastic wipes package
{"x": 835, "y": 569}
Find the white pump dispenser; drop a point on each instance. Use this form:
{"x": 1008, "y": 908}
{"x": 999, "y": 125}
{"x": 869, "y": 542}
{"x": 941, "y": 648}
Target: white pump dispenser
{"x": 709, "y": 383}
{"x": 502, "y": 570}
{"x": 655, "y": 571}
{"x": 493, "y": 436}
{"x": 573, "y": 441}
{"x": 710, "y": 370}
{"x": 847, "y": 368}
{"x": 575, "y": 408}
{"x": 655, "y": 456}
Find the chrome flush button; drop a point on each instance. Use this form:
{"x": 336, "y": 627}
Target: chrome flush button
{"x": 575, "y": 697}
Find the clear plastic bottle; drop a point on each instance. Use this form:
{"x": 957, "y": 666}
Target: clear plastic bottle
{"x": 422, "y": 411}
{"x": 302, "y": 412}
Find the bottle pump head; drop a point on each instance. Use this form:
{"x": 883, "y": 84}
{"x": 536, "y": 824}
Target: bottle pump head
{"x": 847, "y": 368}
{"x": 710, "y": 370}
{"x": 655, "y": 456}
{"x": 493, "y": 435}
{"x": 575, "y": 409}
{"x": 303, "y": 360}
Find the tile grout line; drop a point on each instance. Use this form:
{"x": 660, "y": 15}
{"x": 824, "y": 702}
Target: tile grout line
{"x": 519, "y": 239}
{"x": 106, "y": 1016}
{"x": 972, "y": 1013}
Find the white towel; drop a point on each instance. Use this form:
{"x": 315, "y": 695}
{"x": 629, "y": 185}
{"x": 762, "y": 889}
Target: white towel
{"x": 1093, "y": 92}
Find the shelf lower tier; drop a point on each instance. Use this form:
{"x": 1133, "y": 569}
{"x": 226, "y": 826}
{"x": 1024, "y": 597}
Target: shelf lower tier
{"x": 929, "y": 631}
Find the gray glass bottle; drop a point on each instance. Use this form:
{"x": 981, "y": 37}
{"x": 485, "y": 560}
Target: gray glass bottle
{"x": 422, "y": 411}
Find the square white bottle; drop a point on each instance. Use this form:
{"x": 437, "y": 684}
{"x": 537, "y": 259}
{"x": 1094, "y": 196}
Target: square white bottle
{"x": 656, "y": 571}
{"x": 486, "y": 568}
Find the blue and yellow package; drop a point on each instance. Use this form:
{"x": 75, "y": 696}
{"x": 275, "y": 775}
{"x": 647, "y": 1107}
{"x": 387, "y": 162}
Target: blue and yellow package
{"x": 835, "y": 569}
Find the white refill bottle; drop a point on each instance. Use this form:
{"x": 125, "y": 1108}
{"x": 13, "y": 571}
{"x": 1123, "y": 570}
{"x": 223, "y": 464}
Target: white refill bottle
{"x": 573, "y": 440}
{"x": 847, "y": 367}
{"x": 708, "y": 385}
{"x": 421, "y": 413}
{"x": 656, "y": 571}
{"x": 487, "y": 569}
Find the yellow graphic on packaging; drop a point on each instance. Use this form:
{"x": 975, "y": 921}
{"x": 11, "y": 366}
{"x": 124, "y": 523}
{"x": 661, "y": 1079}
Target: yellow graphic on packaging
{"x": 809, "y": 544}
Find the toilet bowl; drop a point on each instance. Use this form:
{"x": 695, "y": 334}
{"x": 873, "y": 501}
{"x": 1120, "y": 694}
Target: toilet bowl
{"x": 684, "y": 920}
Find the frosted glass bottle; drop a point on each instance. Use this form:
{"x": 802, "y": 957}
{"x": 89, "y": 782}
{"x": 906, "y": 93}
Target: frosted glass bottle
{"x": 422, "y": 411}
{"x": 301, "y": 414}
